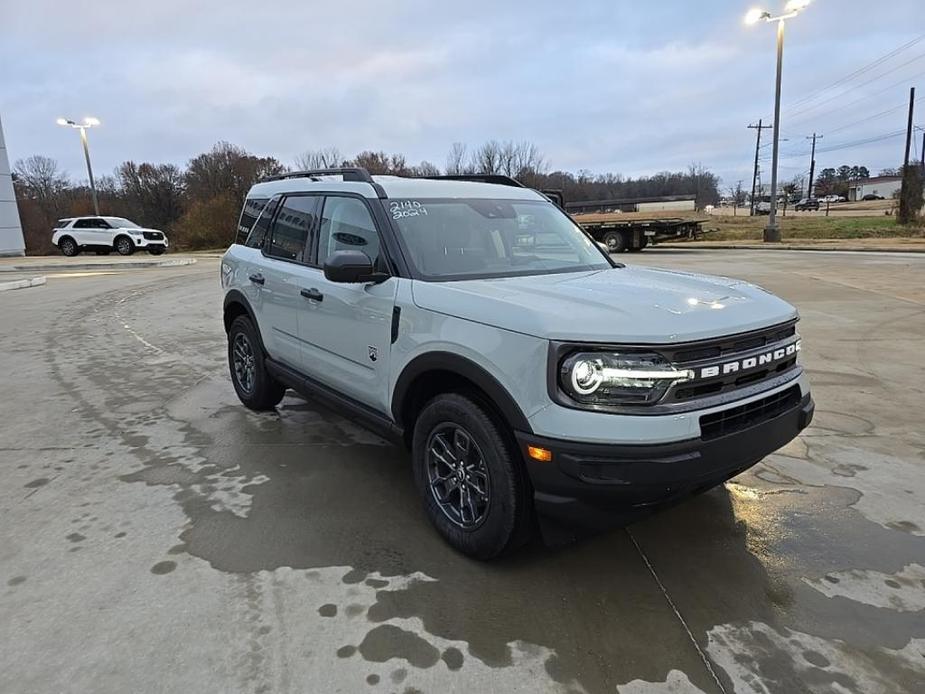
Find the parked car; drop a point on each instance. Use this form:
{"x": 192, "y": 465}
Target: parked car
{"x": 530, "y": 375}
{"x": 763, "y": 207}
{"x": 872, "y": 196}
{"x": 106, "y": 234}
{"x": 807, "y": 204}
{"x": 833, "y": 198}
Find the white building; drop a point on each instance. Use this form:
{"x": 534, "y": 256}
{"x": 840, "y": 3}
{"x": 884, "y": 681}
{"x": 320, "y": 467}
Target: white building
{"x": 884, "y": 186}
{"x": 11, "y": 240}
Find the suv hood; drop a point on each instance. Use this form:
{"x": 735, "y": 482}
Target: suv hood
{"x": 632, "y": 304}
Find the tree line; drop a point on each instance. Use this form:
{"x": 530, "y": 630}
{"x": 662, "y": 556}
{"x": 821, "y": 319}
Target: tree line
{"x": 198, "y": 205}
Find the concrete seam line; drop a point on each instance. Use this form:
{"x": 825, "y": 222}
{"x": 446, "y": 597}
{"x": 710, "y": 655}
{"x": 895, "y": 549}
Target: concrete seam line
{"x": 22, "y": 284}
{"x": 677, "y": 612}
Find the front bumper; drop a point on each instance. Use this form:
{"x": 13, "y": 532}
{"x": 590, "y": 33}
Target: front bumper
{"x": 150, "y": 243}
{"x": 590, "y": 485}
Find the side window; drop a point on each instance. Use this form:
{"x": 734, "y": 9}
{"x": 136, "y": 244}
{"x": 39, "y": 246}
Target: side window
{"x": 346, "y": 224}
{"x": 101, "y": 224}
{"x": 84, "y": 224}
{"x": 259, "y": 233}
{"x": 249, "y": 214}
{"x": 294, "y": 223}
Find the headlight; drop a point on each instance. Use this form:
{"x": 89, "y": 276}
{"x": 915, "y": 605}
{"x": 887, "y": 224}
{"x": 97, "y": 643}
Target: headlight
{"x": 613, "y": 378}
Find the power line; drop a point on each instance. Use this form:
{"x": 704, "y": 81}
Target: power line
{"x": 904, "y": 81}
{"x": 862, "y": 84}
{"x": 874, "y": 117}
{"x": 860, "y": 71}
{"x": 859, "y": 143}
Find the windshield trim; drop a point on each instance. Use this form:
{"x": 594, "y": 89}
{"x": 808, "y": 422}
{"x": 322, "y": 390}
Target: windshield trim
{"x": 415, "y": 272}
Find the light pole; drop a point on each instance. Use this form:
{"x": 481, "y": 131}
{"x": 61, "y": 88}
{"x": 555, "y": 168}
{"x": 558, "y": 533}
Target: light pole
{"x": 87, "y": 123}
{"x": 791, "y": 9}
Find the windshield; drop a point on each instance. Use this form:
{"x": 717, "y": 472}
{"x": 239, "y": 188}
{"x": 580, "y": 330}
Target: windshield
{"x": 455, "y": 238}
{"x": 121, "y": 223}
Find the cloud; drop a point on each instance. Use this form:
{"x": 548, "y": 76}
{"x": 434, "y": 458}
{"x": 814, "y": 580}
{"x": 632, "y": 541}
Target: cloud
{"x": 631, "y": 88}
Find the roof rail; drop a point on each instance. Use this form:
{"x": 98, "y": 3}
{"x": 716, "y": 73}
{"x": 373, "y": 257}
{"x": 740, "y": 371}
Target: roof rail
{"x": 499, "y": 179}
{"x": 349, "y": 173}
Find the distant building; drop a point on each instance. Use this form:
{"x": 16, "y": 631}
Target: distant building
{"x": 884, "y": 186}
{"x": 11, "y": 239}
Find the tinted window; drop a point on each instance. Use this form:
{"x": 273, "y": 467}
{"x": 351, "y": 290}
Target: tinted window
{"x": 85, "y": 224}
{"x": 346, "y": 224}
{"x": 294, "y": 223}
{"x": 252, "y": 209}
{"x": 258, "y": 234}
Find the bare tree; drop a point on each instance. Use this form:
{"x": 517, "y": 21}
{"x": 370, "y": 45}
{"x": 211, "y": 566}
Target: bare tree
{"x": 324, "y": 158}
{"x": 425, "y": 168}
{"x": 40, "y": 178}
{"x": 456, "y": 159}
{"x": 487, "y": 158}
{"x": 151, "y": 191}
{"x": 227, "y": 169}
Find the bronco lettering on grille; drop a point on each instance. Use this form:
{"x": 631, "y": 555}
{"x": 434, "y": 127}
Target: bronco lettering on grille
{"x": 737, "y": 365}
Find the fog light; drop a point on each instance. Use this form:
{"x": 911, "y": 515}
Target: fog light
{"x": 544, "y": 455}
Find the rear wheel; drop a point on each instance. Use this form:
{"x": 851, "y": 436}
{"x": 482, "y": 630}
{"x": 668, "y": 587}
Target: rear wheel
{"x": 615, "y": 241}
{"x": 473, "y": 486}
{"x": 124, "y": 246}
{"x": 69, "y": 247}
{"x": 255, "y": 387}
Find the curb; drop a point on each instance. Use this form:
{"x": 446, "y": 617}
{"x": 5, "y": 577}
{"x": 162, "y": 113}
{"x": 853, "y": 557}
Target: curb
{"x": 22, "y": 284}
{"x": 793, "y": 247}
{"x": 66, "y": 267}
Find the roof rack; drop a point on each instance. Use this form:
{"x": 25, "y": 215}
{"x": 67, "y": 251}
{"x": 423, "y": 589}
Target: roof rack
{"x": 499, "y": 179}
{"x": 349, "y": 173}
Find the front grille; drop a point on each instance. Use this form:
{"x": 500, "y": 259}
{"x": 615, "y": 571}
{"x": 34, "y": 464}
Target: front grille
{"x": 744, "y": 416}
{"x": 707, "y": 353}
{"x": 153, "y": 235}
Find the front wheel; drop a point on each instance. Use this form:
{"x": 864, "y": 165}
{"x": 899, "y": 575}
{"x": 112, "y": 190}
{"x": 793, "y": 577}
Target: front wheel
{"x": 124, "y": 246}
{"x": 255, "y": 387}
{"x": 473, "y": 486}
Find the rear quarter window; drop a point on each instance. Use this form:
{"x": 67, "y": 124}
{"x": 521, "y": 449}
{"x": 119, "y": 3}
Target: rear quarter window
{"x": 249, "y": 214}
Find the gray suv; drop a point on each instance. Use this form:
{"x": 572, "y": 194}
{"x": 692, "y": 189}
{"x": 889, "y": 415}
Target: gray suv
{"x": 531, "y": 376}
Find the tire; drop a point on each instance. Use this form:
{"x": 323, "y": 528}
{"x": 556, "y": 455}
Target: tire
{"x": 615, "y": 241}
{"x": 124, "y": 246}
{"x": 69, "y": 247}
{"x": 156, "y": 250}
{"x": 495, "y": 515}
{"x": 255, "y": 387}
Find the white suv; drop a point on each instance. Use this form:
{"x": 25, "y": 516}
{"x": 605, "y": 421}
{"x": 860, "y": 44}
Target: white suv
{"x": 105, "y": 234}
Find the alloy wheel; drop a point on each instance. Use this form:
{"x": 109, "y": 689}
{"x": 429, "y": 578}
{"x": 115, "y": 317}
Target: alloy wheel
{"x": 458, "y": 476}
{"x": 244, "y": 362}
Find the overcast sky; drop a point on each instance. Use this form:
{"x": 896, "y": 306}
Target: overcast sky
{"x": 628, "y": 87}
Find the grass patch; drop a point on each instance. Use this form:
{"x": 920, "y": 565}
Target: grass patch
{"x": 805, "y": 227}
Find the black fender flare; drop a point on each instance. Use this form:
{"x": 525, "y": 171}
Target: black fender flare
{"x": 466, "y": 368}
{"x": 236, "y": 296}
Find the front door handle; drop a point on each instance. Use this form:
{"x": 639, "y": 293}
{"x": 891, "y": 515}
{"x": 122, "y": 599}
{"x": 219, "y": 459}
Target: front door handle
{"x": 312, "y": 294}
{"x": 257, "y": 279}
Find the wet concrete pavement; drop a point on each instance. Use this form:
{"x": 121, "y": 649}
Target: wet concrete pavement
{"x": 160, "y": 537}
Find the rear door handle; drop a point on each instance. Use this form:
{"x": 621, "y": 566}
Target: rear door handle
{"x": 312, "y": 294}
{"x": 257, "y": 279}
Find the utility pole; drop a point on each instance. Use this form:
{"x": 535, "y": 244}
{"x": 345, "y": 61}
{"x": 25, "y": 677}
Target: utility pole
{"x": 759, "y": 128}
{"x": 812, "y": 164}
{"x": 909, "y": 128}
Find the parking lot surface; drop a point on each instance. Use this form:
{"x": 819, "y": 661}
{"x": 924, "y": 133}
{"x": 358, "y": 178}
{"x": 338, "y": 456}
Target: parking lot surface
{"x": 159, "y": 537}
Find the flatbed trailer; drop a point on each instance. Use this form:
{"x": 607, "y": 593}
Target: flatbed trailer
{"x": 635, "y": 234}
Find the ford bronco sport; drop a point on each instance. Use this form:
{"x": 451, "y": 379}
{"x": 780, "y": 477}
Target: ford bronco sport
{"x": 530, "y": 375}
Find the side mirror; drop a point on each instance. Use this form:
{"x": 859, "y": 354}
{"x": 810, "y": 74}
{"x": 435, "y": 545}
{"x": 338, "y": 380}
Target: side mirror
{"x": 351, "y": 267}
